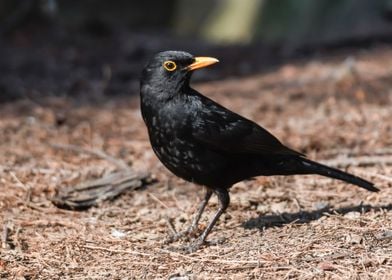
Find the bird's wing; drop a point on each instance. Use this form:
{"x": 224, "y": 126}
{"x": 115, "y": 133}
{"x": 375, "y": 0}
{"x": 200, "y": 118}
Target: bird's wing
{"x": 221, "y": 129}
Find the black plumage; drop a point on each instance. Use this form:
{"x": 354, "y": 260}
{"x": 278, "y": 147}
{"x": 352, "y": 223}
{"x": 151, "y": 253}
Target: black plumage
{"x": 201, "y": 141}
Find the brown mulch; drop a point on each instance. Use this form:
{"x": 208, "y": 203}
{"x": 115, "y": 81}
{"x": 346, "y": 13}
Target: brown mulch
{"x": 335, "y": 109}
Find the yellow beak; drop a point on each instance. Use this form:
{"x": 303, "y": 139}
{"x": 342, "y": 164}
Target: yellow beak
{"x": 201, "y": 62}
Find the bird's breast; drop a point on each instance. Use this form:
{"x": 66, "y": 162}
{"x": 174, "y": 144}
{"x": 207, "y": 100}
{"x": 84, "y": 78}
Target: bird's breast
{"x": 170, "y": 146}
{"x": 175, "y": 148}
{"x": 170, "y": 128}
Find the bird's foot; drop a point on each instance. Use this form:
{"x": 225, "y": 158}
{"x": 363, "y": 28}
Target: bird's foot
{"x": 179, "y": 235}
{"x": 187, "y": 249}
{"x": 195, "y": 245}
{"x": 175, "y": 237}
{"x": 199, "y": 242}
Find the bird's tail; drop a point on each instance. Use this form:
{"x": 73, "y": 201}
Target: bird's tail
{"x": 312, "y": 167}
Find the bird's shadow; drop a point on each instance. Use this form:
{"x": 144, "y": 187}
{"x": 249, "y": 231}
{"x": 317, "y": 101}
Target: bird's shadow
{"x": 302, "y": 217}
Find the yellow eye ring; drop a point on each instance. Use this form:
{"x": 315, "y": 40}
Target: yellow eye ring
{"x": 170, "y": 65}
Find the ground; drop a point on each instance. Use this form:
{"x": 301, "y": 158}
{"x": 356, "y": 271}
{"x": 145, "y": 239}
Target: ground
{"x": 336, "y": 109}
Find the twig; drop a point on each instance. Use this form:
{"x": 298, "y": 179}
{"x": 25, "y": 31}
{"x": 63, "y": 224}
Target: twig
{"x": 158, "y": 200}
{"x": 27, "y": 188}
{"x": 380, "y": 176}
{"x": 132, "y": 252}
{"x": 18, "y": 239}
{"x": 359, "y": 161}
{"x": 352, "y": 152}
{"x": 170, "y": 225}
{"x": 19, "y": 182}
{"x": 4, "y": 237}
{"x": 48, "y": 223}
{"x": 95, "y": 152}
{"x": 256, "y": 263}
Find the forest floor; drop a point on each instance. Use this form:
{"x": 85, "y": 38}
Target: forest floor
{"x": 337, "y": 109}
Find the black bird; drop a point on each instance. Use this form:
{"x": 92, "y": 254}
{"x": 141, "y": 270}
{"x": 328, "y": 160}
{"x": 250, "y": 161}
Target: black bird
{"x": 203, "y": 142}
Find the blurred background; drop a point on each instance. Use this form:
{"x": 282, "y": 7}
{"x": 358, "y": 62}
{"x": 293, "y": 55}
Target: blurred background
{"x": 95, "y": 48}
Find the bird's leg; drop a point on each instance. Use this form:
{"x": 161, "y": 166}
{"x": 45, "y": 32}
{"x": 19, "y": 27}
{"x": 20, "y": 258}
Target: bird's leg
{"x": 195, "y": 220}
{"x": 224, "y": 200}
{"x": 200, "y": 211}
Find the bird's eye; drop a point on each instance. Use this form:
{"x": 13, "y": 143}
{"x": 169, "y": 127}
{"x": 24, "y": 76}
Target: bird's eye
{"x": 170, "y": 65}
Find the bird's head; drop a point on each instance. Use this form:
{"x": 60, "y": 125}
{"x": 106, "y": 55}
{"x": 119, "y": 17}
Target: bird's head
{"x": 170, "y": 71}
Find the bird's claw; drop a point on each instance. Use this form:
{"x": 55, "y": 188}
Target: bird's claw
{"x": 179, "y": 235}
{"x": 195, "y": 245}
{"x": 174, "y": 237}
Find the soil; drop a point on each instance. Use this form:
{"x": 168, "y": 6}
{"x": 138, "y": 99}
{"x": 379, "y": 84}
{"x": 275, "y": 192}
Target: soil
{"x": 335, "y": 108}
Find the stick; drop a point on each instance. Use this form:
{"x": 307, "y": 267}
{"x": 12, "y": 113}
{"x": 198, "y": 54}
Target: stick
{"x": 117, "y": 251}
{"x": 4, "y": 237}
{"x": 359, "y": 161}
{"x": 93, "y": 192}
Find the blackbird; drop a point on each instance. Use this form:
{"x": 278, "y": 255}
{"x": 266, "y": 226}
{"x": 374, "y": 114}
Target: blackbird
{"x": 203, "y": 142}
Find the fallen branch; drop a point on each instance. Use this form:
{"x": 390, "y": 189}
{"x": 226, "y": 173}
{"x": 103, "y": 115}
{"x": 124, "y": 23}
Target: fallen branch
{"x": 91, "y": 193}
